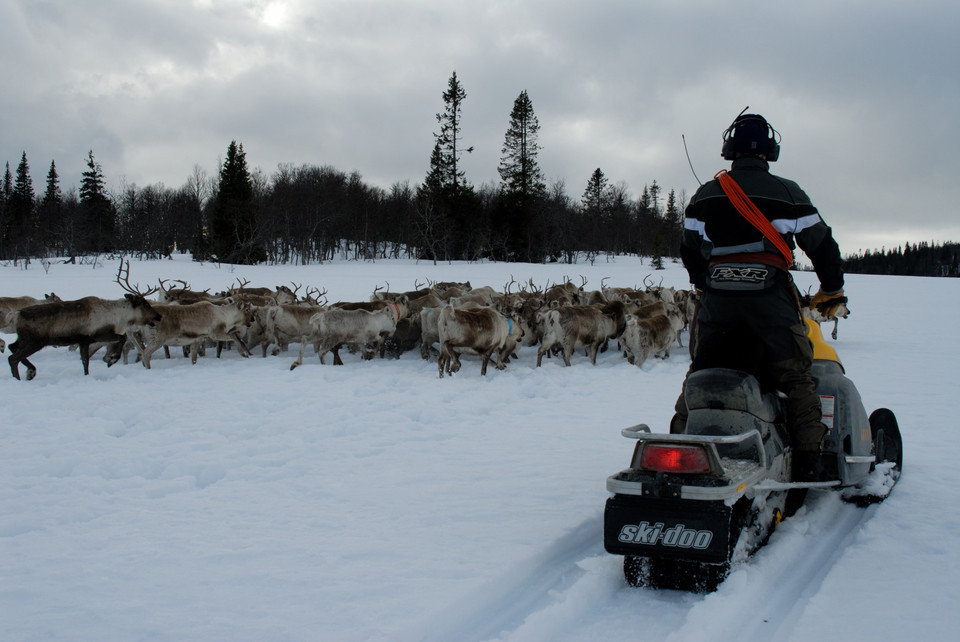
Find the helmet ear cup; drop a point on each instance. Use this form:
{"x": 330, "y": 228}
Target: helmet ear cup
{"x": 729, "y": 150}
{"x": 773, "y": 146}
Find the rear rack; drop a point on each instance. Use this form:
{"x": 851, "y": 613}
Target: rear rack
{"x": 740, "y": 474}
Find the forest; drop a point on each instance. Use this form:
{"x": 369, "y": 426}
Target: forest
{"x": 919, "y": 259}
{"x": 308, "y": 213}
{"x": 304, "y": 214}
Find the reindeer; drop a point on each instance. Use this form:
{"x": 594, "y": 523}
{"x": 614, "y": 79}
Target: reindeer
{"x": 11, "y": 305}
{"x": 84, "y": 322}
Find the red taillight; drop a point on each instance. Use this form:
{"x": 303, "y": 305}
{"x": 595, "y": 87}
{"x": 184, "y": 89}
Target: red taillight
{"x": 673, "y": 458}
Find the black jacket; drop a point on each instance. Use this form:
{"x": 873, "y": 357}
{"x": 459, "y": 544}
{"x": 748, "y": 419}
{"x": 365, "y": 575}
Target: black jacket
{"x": 713, "y": 228}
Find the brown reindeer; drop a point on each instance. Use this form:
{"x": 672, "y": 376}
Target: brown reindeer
{"x": 83, "y": 322}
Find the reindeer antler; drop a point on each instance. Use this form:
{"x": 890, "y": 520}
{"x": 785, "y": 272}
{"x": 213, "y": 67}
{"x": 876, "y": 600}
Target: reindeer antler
{"x": 123, "y": 280}
{"x": 313, "y": 295}
{"x": 186, "y": 286}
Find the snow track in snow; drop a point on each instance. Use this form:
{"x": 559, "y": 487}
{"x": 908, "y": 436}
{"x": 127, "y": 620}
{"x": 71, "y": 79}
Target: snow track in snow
{"x": 530, "y": 587}
{"x": 553, "y": 594}
{"x": 779, "y": 580}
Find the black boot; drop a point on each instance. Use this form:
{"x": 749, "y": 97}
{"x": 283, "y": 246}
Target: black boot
{"x": 678, "y": 424}
{"x": 807, "y": 466}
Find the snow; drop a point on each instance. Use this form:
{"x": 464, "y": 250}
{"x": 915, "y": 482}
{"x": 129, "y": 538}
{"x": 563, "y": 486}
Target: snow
{"x": 237, "y": 500}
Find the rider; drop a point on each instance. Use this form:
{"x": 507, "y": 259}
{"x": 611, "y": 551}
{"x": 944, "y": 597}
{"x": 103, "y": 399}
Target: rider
{"x": 745, "y": 286}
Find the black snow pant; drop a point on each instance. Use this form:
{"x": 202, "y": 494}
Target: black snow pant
{"x": 761, "y": 332}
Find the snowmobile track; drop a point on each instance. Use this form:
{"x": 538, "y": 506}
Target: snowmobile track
{"x": 781, "y": 578}
{"x": 503, "y": 605}
{"x": 778, "y": 581}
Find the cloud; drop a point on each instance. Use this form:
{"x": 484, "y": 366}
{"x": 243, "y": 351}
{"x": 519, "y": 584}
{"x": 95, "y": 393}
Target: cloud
{"x": 863, "y": 93}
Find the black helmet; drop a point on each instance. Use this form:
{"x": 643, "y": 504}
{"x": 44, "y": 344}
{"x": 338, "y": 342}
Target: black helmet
{"x": 751, "y": 135}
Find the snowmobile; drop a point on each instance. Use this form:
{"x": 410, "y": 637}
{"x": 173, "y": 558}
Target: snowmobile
{"x": 692, "y": 505}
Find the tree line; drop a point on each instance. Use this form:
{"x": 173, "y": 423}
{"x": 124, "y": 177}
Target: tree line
{"x": 310, "y": 213}
{"x": 919, "y": 259}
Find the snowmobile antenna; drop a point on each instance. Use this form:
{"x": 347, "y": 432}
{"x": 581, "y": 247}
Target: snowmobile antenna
{"x": 684, "y": 138}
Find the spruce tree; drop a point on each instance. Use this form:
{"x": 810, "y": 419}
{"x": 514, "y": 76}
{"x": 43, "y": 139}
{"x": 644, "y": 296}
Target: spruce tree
{"x": 446, "y": 198}
{"x": 50, "y": 216}
{"x": 596, "y": 208}
{"x": 656, "y": 254}
{"x": 431, "y": 219}
{"x": 7, "y": 184}
{"x": 453, "y": 177}
{"x": 434, "y": 184}
{"x": 19, "y": 219}
{"x": 522, "y": 186}
{"x": 520, "y": 175}
{"x": 648, "y": 222}
{"x": 97, "y": 211}
{"x": 234, "y": 234}
{"x": 52, "y": 194}
{"x": 674, "y": 224}
{"x": 596, "y": 196}
{"x": 654, "y": 192}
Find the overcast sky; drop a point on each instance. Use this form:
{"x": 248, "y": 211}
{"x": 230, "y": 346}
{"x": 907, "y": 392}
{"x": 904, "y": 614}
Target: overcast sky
{"x": 866, "y": 94}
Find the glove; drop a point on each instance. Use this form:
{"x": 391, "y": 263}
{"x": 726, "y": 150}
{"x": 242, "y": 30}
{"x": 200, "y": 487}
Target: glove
{"x": 830, "y": 304}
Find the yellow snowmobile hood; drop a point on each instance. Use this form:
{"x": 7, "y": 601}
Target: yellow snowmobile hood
{"x": 821, "y": 349}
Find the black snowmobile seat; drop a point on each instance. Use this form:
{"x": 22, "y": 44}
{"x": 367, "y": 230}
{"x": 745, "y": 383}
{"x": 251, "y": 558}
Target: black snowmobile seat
{"x": 729, "y": 389}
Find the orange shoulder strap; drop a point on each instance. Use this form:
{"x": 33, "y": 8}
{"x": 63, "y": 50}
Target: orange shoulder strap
{"x": 753, "y": 215}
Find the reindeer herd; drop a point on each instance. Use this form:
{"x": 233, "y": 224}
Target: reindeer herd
{"x": 442, "y": 321}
